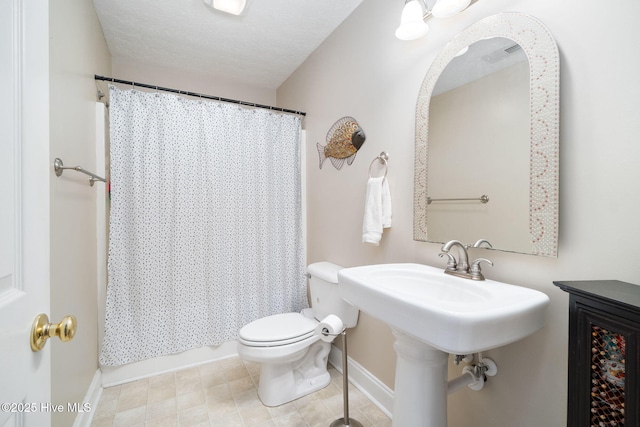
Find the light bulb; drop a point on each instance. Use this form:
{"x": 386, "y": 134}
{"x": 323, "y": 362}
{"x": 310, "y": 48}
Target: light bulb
{"x": 462, "y": 51}
{"x": 234, "y": 7}
{"x": 412, "y": 25}
{"x": 447, "y": 8}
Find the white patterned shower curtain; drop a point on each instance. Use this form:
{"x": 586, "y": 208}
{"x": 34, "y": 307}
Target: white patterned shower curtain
{"x": 205, "y": 226}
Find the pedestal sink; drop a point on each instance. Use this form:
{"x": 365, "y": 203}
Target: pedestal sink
{"x": 432, "y": 314}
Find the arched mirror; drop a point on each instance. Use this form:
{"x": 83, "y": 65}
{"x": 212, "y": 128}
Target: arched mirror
{"x": 486, "y": 164}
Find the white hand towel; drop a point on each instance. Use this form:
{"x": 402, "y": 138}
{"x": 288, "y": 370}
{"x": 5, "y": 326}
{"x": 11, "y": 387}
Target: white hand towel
{"x": 372, "y": 221}
{"x": 386, "y": 204}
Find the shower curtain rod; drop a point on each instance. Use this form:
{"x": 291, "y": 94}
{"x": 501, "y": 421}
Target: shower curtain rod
{"x": 200, "y": 95}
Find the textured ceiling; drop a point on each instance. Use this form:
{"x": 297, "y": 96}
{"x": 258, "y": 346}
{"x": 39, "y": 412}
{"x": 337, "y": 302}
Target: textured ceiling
{"x": 260, "y": 48}
{"x": 484, "y": 57}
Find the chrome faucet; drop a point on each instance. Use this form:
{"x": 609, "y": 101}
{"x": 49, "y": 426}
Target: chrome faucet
{"x": 462, "y": 264}
{"x": 460, "y": 267}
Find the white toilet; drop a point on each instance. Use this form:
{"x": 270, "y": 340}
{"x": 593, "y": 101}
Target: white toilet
{"x": 293, "y": 358}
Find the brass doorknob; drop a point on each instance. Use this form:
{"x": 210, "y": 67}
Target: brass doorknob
{"x": 42, "y": 330}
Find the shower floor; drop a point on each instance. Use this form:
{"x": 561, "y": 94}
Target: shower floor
{"x": 224, "y": 393}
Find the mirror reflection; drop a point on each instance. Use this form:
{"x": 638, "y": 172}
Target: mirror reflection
{"x": 487, "y": 127}
{"x": 479, "y": 145}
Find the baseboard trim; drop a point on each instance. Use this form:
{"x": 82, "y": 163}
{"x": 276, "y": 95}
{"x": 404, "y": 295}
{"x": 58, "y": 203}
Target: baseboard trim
{"x": 116, "y": 375}
{"x": 375, "y": 390}
{"x": 92, "y": 398}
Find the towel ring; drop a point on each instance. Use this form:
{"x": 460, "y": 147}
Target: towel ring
{"x": 382, "y": 158}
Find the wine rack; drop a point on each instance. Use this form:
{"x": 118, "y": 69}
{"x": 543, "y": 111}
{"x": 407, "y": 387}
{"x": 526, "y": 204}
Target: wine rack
{"x": 604, "y": 329}
{"x": 607, "y": 377}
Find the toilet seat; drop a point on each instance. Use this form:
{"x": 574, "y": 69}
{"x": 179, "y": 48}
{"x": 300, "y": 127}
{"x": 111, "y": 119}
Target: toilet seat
{"x": 277, "y": 330}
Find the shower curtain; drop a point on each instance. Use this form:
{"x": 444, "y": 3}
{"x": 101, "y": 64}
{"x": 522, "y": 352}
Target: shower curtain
{"x": 205, "y": 225}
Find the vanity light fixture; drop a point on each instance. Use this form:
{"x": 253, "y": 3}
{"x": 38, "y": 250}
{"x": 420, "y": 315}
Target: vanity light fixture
{"x": 412, "y": 25}
{"x": 415, "y": 13}
{"x": 462, "y": 51}
{"x": 234, "y": 7}
{"x": 447, "y": 8}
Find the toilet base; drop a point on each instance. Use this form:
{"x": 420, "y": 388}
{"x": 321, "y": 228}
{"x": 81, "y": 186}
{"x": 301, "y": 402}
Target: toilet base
{"x": 281, "y": 383}
{"x": 272, "y": 396}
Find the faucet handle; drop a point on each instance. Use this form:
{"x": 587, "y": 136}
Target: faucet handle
{"x": 451, "y": 264}
{"x": 475, "y": 271}
{"x": 480, "y": 242}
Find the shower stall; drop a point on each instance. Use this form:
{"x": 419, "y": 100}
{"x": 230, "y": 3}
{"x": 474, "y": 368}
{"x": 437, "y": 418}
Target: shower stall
{"x": 200, "y": 230}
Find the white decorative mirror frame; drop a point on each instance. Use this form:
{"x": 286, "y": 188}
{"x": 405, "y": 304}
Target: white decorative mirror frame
{"x": 542, "y": 53}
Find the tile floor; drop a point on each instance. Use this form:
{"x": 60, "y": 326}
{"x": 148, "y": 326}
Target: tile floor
{"x": 224, "y": 393}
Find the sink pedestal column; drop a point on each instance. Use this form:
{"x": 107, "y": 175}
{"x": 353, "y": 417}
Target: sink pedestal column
{"x": 421, "y": 384}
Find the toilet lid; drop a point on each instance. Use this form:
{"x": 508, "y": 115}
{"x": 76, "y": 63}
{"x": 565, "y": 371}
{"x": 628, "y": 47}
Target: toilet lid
{"x": 289, "y": 327}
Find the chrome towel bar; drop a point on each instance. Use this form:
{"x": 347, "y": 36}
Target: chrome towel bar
{"x": 59, "y": 167}
{"x": 482, "y": 199}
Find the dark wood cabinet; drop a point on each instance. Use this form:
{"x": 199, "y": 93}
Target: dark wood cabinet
{"x": 604, "y": 351}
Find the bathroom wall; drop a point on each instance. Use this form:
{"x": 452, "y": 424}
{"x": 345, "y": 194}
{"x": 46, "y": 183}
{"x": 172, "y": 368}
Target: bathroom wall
{"x": 364, "y": 72}
{"x": 77, "y": 52}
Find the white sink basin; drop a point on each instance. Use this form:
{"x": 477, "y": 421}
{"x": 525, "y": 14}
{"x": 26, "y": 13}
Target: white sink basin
{"x": 452, "y": 314}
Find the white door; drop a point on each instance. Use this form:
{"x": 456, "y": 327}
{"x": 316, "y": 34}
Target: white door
{"x": 24, "y": 210}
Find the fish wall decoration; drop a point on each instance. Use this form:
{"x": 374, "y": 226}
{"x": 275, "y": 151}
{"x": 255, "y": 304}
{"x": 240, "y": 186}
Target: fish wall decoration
{"x": 344, "y": 139}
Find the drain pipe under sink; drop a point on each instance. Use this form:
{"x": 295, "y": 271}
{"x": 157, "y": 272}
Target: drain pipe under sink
{"x": 474, "y": 375}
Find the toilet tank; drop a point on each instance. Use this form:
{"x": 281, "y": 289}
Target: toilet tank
{"x": 325, "y": 299}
